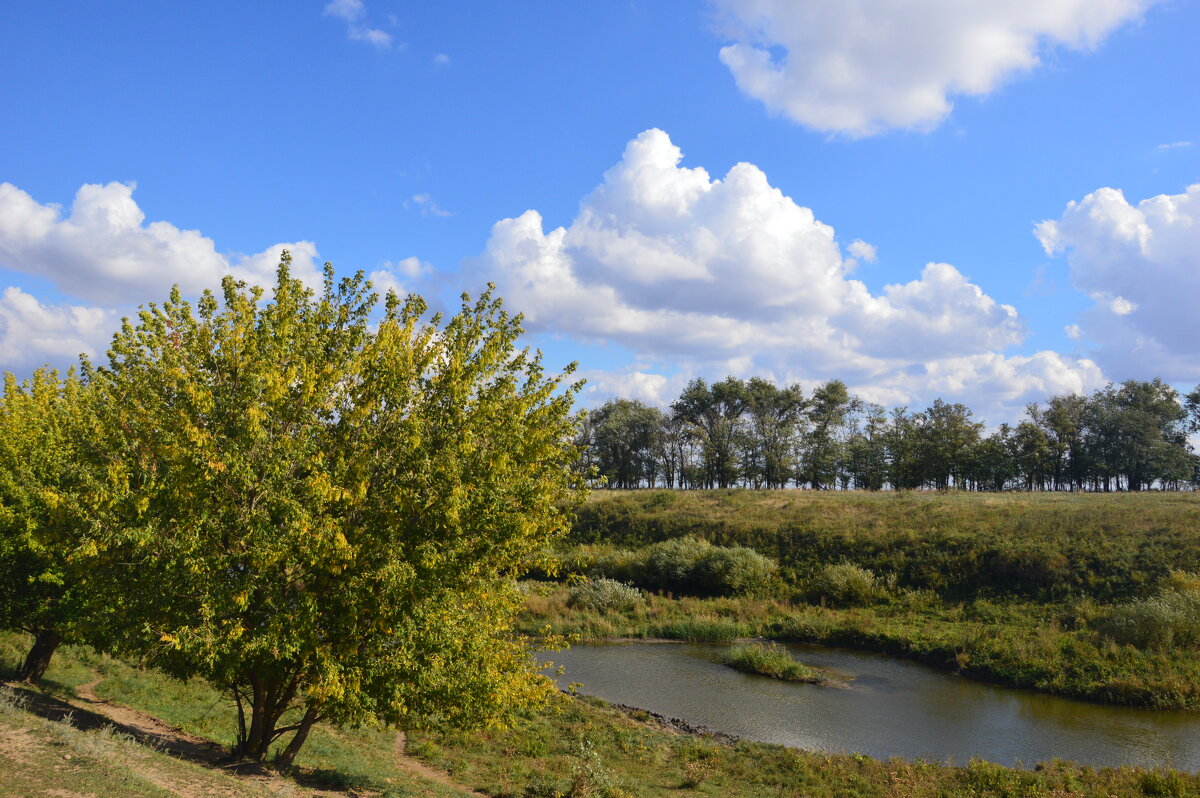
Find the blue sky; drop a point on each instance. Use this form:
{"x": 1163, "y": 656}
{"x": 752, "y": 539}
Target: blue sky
{"x": 393, "y": 136}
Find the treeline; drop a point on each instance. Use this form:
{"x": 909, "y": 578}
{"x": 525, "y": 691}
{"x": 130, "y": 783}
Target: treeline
{"x": 755, "y": 434}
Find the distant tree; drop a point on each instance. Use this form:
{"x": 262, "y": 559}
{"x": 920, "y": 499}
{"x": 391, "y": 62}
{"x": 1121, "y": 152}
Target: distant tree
{"x": 327, "y": 512}
{"x": 949, "y": 436}
{"x": 1032, "y": 452}
{"x": 625, "y": 438}
{"x": 904, "y": 440}
{"x": 827, "y": 411}
{"x": 774, "y": 415}
{"x": 992, "y": 464}
{"x": 866, "y": 449}
{"x": 714, "y": 417}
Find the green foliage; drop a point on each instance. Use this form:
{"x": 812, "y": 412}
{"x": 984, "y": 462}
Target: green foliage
{"x": 845, "y": 585}
{"x": 684, "y": 566}
{"x": 770, "y": 659}
{"x": 51, "y": 572}
{"x": 1043, "y": 546}
{"x": 603, "y": 595}
{"x": 325, "y": 511}
{"x": 1168, "y": 621}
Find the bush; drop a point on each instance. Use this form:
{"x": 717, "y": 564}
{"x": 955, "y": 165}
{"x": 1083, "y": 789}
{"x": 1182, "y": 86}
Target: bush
{"x": 845, "y": 585}
{"x": 1168, "y": 620}
{"x": 604, "y": 595}
{"x": 733, "y": 571}
{"x": 671, "y": 564}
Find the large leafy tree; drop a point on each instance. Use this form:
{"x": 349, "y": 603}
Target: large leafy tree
{"x": 47, "y": 555}
{"x": 328, "y": 508}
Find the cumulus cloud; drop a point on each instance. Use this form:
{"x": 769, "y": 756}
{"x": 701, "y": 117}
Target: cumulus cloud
{"x": 354, "y": 13}
{"x": 102, "y": 250}
{"x": 730, "y": 275}
{"x": 33, "y": 333}
{"x": 1140, "y": 264}
{"x": 400, "y": 277}
{"x": 863, "y": 66}
{"x": 104, "y": 253}
{"x": 863, "y": 251}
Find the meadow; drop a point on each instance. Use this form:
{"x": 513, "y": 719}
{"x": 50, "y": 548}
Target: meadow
{"x": 1083, "y": 595}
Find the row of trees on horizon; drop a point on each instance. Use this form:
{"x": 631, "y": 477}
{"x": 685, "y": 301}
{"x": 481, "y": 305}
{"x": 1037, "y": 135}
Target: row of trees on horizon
{"x": 755, "y": 434}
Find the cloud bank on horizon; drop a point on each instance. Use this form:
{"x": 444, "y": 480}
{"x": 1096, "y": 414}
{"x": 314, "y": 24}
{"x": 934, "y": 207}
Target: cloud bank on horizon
{"x": 698, "y": 276}
{"x": 729, "y": 275}
{"x": 860, "y": 67}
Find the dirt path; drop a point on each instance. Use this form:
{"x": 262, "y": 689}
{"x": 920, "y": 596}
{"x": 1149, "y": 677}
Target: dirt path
{"x": 149, "y": 730}
{"x": 415, "y": 767}
{"x": 89, "y": 712}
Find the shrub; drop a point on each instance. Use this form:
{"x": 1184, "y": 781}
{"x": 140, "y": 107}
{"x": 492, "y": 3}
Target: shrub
{"x": 845, "y": 585}
{"x": 732, "y": 571}
{"x": 603, "y": 595}
{"x": 1168, "y": 620}
{"x": 671, "y": 564}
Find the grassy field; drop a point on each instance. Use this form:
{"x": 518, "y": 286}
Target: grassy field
{"x": 1065, "y": 593}
{"x": 963, "y": 545}
{"x": 574, "y": 747}
{"x": 1011, "y": 588}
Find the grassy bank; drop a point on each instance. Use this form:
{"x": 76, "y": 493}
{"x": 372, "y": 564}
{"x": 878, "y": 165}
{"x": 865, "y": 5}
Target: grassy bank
{"x": 1049, "y": 647}
{"x": 582, "y": 747}
{"x": 573, "y": 747}
{"x": 362, "y": 761}
{"x": 962, "y": 545}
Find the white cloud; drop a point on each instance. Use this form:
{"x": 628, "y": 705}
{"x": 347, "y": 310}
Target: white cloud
{"x": 428, "y": 207}
{"x": 32, "y": 333}
{"x": 1141, "y": 266}
{"x": 104, "y": 252}
{"x": 715, "y": 276}
{"x": 863, "y": 251}
{"x": 1073, "y": 331}
{"x": 399, "y": 276}
{"x": 1174, "y": 145}
{"x": 353, "y": 13}
{"x": 442, "y": 60}
{"x": 863, "y": 66}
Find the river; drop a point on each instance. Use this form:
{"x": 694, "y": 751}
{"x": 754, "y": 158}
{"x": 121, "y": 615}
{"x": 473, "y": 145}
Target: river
{"x": 890, "y": 707}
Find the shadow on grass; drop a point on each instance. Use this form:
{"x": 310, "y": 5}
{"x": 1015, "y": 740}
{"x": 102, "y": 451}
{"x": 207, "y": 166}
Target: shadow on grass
{"x": 49, "y": 703}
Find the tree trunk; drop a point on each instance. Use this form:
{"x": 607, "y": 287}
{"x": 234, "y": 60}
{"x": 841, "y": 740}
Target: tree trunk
{"x": 38, "y": 659}
{"x": 289, "y": 754}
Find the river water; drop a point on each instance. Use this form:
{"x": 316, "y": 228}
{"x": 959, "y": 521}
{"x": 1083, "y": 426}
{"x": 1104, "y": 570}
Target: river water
{"x": 890, "y": 707}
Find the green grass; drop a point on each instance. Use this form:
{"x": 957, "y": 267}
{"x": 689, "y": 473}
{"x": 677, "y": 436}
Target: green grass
{"x": 573, "y": 747}
{"x": 347, "y": 758}
{"x": 39, "y": 757}
{"x": 962, "y": 545}
{"x": 769, "y": 660}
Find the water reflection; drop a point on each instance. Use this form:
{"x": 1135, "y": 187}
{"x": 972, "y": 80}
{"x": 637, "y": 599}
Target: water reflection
{"x": 890, "y": 708}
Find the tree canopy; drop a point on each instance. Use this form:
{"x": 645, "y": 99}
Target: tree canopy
{"x": 319, "y": 507}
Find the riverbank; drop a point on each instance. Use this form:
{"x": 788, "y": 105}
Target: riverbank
{"x": 572, "y": 747}
{"x": 1040, "y": 646}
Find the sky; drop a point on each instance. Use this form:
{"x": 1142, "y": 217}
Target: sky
{"x": 985, "y": 202}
